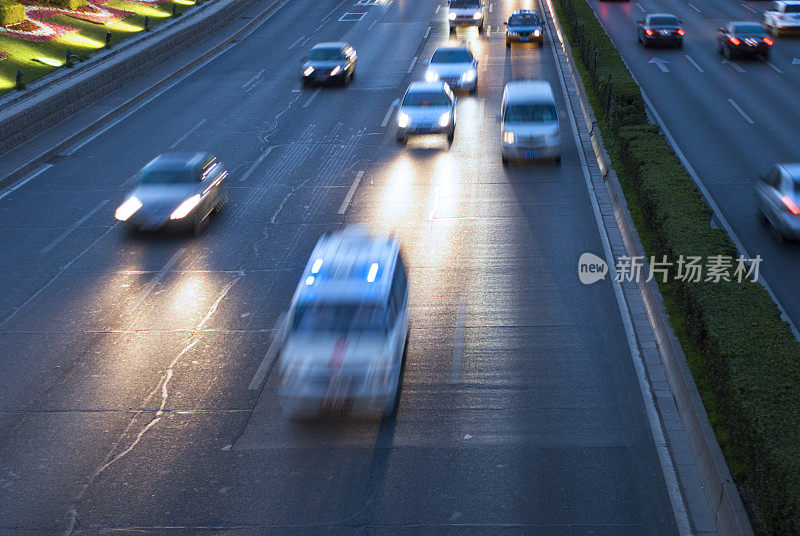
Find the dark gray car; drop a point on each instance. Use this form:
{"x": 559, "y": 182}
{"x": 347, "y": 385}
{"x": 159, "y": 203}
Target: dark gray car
{"x": 329, "y": 63}
{"x": 175, "y": 191}
{"x": 778, "y": 201}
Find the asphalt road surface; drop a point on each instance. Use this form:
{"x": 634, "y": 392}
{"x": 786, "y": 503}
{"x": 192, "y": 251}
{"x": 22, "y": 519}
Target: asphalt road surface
{"x": 128, "y": 361}
{"x": 732, "y": 120}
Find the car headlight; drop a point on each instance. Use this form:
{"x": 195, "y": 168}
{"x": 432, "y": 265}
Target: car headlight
{"x": 431, "y": 76}
{"x": 477, "y": 15}
{"x": 444, "y": 119}
{"x": 128, "y": 208}
{"x": 336, "y": 70}
{"x": 308, "y": 71}
{"x": 469, "y": 76}
{"x": 185, "y": 208}
{"x": 537, "y": 33}
{"x": 508, "y": 137}
{"x": 451, "y": 16}
{"x": 403, "y": 120}
{"x": 509, "y": 32}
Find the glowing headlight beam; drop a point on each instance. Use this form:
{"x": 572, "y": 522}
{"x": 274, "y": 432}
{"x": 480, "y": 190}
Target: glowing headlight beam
{"x": 185, "y": 208}
{"x": 128, "y": 208}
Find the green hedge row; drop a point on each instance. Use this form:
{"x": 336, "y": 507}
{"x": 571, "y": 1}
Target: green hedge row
{"x": 752, "y": 357}
{"x": 11, "y": 13}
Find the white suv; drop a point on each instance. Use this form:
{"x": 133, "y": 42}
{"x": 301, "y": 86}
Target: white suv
{"x": 782, "y": 17}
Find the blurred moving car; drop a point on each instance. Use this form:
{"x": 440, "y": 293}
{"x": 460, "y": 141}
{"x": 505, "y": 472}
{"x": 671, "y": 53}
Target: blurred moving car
{"x": 778, "y": 201}
{"x": 329, "y": 63}
{"x": 522, "y": 26}
{"x": 782, "y": 17}
{"x": 427, "y": 108}
{"x": 462, "y": 13}
{"x": 660, "y": 29}
{"x": 175, "y": 191}
{"x": 456, "y": 65}
{"x": 743, "y": 39}
{"x": 529, "y": 122}
{"x": 347, "y": 327}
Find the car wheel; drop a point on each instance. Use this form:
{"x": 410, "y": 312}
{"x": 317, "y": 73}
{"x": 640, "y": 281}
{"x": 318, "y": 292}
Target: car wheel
{"x": 765, "y": 55}
{"x": 305, "y": 82}
{"x": 680, "y": 44}
{"x": 727, "y": 53}
{"x": 505, "y": 161}
{"x": 558, "y": 160}
{"x": 508, "y": 45}
{"x": 762, "y": 218}
{"x": 474, "y": 89}
{"x": 199, "y": 225}
{"x": 480, "y": 29}
{"x": 719, "y": 49}
{"x": 777, "y": 234}
{"x": 452, "y": 29}
{"x": 541, "y": 44}
{"x": 451, "y": 136}
{"x": 401, "y": 140}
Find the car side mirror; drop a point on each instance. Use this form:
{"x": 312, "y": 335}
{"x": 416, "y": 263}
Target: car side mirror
{"x": 721, "y": 30}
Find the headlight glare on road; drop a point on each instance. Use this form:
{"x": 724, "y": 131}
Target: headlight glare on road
{"x": 431, "y": 76}
{"x": 469, "y": 76}
{"x": 508, "y": 137}
{"x": 444, "y": 119}
{"x": 451, "y": 16}
{"x": 403, "y": 120}
{"x": 185, "y": 208}
{"x": 477, "y": 15}
{"x": 336, "y": 70}
{"x": 308, "y": 71}
{"x": 128, "y": 208}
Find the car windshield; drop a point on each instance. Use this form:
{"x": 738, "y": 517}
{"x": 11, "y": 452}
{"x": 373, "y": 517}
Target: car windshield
{"x": 326, "y": 317}
{"x": 463, "y": 4}
{"x": 325, "y": 54}
{"x": 792, "y": 8}
{"x": 524, "y": 20}
{"x": 167, "y": 176}
{"x": 748, "y": 29}
{"x": 426, "y": 98}
{"x": 530, "y": 113}
{"x": 451, "y": 55}
{"x": 663, "y": 21}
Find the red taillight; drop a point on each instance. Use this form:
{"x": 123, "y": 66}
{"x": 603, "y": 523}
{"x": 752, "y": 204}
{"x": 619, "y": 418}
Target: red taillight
{"x": 648, "y": 31}
{"x": 768, "y": 41}
{"x": 735, "y": 40}
{"x": 681, "y": 32}
{"x": 793, "y": 208}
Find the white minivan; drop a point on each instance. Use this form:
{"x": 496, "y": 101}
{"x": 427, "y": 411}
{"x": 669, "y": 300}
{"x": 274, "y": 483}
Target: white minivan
{"x": 529, "y": 122}
{"x": 345, "y": 333}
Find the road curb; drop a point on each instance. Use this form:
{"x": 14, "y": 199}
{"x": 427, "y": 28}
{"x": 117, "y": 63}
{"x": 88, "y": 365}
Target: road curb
{"x": 59, "y": 99}
{"x": 719, "y": 488}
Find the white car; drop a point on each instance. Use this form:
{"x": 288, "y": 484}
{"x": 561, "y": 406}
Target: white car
{"x": 529, "y": 128}
{"x": 465, "y": 13}
{"x": 345, "y": 333}
{"x": 427, "y": 108}
{"x": 782, "y": 17}
{"x": 455, "y": 65}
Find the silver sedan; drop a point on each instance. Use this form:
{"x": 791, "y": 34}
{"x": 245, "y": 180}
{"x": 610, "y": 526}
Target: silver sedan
{"x": 427, "y": 108}
{"x": 778, "y": 201}
{"x": 176, "y": 191}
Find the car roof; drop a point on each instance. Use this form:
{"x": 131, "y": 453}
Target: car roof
{"x": 523, "y": 12}
{"x": 342, "y": 263}
{"x": 453, "y": 46}
{"x": 661, "y": 15}
{"x": 789, "y": 2}
{"x": 534, "y": 90}
{"x": 426, "y": 86}
{"x": 331, "y": 44}
{"x": 177, "y": 160}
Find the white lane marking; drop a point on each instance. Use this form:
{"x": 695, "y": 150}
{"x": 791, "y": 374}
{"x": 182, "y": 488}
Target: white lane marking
{"x": 295, "y": 91}
{"x": 491, "y": 7}
{"x": 427, "y": 32}
{"x": 312, "y": 97}
{"x": 253, "y": 167}
{"x": 693, "y": 63}
{"x": 665, "y": 459}
{"x": 488, "y": 31}
{"x": 458, "y": 342}
{"x": 738, "y": 109}
{"x": 438, "y": 8}
{"x": 148, "y": 100}
{"x": 774, "y": 67}
{"x": 389, "y": 113}
{"x": 25, "y": 181}
{"x": 734, "y": 65}
{"x": 350, "y": 192}
{"x": 373, "y": 23}
{"x": 411, "y": 67}
{"x": 661, "y": 64}
{"x": 750, "y": 8}
{"x": 269, "y": 357}
{"x": 695, "y": 7}
{"x": 297, "y": 42}
{"x": 255, "y": 77}
{"x": 153, "y": 282}
{"x": 74, "y": 226}
{"x": 179, "y": 140}
{"x": 640, "y": 7}
{"x": 481, "y": 111}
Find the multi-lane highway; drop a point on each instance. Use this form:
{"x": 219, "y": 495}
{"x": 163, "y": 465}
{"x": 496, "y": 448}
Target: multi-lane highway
{"x": 731, "y": 119}
{"x": 133, "y": 397}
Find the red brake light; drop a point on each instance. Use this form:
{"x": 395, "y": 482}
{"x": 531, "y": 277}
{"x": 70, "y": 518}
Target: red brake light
{"x": 648, "y": 31}
{"x": 768, "y": 41}
{"x": 793, "y": 208}
{"x": 735, "y": 40}
{"x": 681, "y": 32}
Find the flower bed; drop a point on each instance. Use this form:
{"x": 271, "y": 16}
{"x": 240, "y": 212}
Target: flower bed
{"x": 93, "y": 12}
{"x": 37, "y": 29}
